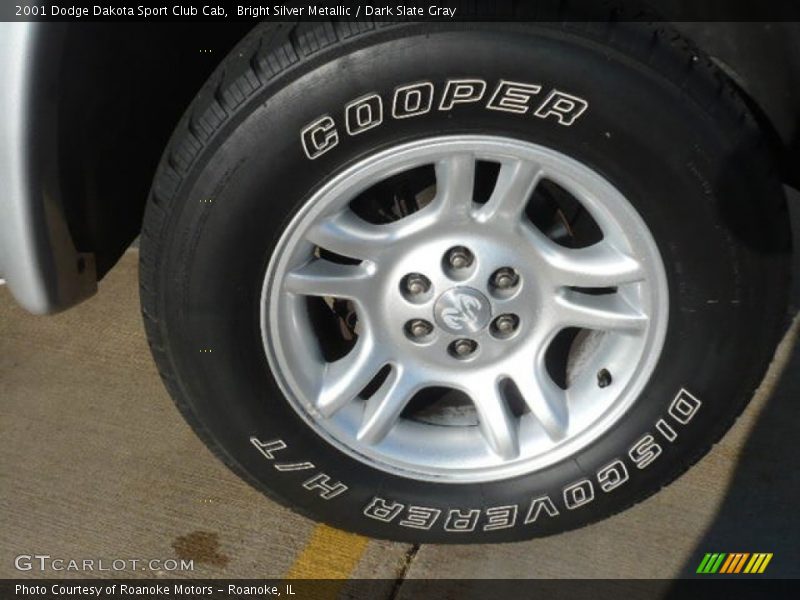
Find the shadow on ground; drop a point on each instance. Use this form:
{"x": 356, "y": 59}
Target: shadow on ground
{"x": 759, "y": 512}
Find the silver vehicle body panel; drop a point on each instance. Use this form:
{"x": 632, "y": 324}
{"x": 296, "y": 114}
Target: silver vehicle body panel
{"x": 38, "y": 259}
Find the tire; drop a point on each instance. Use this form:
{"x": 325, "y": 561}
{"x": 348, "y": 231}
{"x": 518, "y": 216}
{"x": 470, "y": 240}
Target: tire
{"x": 642, "y": 110}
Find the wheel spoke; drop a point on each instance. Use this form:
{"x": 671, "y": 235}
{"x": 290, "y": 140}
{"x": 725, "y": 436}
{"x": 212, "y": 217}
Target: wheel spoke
{"x": 343, "y": 379}
{"x": 597, "y": 266}
{"x": 384, "y": 406}
{"x": 324, "y": 278}
{"x": 347, "y": 234}
{"x": 606, "y": 312}
{"x": 455, "y": 182}
{"x": 499, "y": 427}
{"x": 515, "y": 184}
{"x": 547, "y": 401}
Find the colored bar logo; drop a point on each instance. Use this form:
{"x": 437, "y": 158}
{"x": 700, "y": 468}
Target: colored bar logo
{"x": 734, "y": 563}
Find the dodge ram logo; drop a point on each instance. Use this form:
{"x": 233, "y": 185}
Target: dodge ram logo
{"x": 467, "y": 312}
{"x": 462, "y": 310}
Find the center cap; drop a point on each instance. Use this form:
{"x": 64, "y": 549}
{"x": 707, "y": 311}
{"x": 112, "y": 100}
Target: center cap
{"x": 462, "y": 310}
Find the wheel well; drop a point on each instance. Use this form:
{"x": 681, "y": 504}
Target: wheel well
{"x": 763, "y": 61}
{"x": 120, "y": 91}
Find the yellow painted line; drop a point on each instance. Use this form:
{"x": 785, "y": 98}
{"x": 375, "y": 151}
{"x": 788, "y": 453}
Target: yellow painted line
{"x": 328, "y": 554}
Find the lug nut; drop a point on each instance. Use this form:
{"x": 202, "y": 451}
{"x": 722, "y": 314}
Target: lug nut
{"x": 419, "y": 328}
{"x": 459, "y": 257}
{"x": 505, "y": 325}
{"x": 416, "y": 284}
{"x": 604, "y": 378}
{"x": 504, "y": 278}
{"x": 463, "y": 348}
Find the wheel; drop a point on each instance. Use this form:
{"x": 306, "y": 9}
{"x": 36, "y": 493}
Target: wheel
{"x": 463, "y": 282}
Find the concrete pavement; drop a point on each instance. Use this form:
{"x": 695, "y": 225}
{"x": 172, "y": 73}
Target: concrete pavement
{"x": 95, "y": 462}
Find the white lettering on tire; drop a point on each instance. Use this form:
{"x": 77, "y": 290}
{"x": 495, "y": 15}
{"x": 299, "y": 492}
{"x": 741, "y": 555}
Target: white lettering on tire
{"x": 513, "y": 97}
{"x": 614, "y": 475}
{"x": 500, "y": 517}
{"x": 666, "y": 430}
{"x": 416, "y": 99}
{"x": 564, "y": 107}
{"x": 268, "y": 449}
{"x": 543, "y": 503}
{"x": 578, "y": 494}
{"x": 383, "y": 510}
{"x": 319, "y": 482}
{"x": 412, "y": 100}
{"x": 319, "y": 137}
{"x": 462, "y": 521}
{"x": 462, "y": 91}
{"x": 327, "y": 490}
{"x": 684, "y": 407}
{"x": 644, "y": 451}
{"x": 420, "y": 517}
{"x": 298, "y": 466}
{"x": 363, "y": 114}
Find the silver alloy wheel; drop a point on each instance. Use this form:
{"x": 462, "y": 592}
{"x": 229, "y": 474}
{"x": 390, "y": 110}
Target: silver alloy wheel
{"x": 469, "y": 297}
